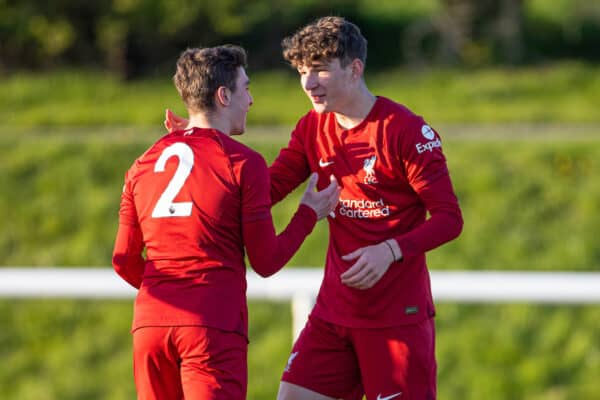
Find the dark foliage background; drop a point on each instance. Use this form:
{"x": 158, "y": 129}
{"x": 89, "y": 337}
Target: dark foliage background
{"x": 134, "y": 38}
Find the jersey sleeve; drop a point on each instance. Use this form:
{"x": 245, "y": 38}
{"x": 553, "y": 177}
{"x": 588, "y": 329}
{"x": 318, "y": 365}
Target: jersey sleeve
{"x": 421, "y": 153}
{"x": 127, "y": 258}
{"x": 290, "y": 168}
{"x": 127, "y": 212}
{"x": 254, "y": 182}
{"x": 268, "y": 252}
{"x": 427, "y": 173}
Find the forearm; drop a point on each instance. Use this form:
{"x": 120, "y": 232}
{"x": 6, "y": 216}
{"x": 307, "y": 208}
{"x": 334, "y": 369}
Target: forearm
{"x": 437, "y": 230}
{"x": 127, "y": 259}
{"x": 444, "y": 224}
{"x": 287, "y": 172}
{"x": 268, "y": 252}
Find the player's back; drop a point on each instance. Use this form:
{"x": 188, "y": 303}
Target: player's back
{"x": 187, "y": 199}
{"x": 189, "y": 192}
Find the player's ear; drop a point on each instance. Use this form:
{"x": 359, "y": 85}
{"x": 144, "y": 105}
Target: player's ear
{"x": 357, "y": 67}
{"x": 223, "y": 95}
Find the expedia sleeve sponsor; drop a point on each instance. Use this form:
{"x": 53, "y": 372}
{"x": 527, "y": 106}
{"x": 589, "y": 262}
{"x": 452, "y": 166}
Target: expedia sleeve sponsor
{"x": 428, "y": 146}
{"x": 433, "y": 142}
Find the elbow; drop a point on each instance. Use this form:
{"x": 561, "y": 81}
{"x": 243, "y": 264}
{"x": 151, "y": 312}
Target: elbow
{"x": 118, "y": 263}
{"x": 122, "y": 268}
{"x": 264, "y": 261}
{"x": 264, "y": 271}
{"x": 265, "y": 267}
{"x": 450, "y": 221}
{"x": 457, "y": 225}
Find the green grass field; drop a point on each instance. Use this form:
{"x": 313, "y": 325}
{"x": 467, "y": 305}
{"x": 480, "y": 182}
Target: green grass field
{"x": 527, "y": 180}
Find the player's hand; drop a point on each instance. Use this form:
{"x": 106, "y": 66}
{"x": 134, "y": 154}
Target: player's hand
{"x": 323, "y": 202}
{"x": 174, "y": 122}
{"x": 372, "y": 262}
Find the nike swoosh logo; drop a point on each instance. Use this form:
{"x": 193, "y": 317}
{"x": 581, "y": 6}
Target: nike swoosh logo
{"x": 324, "y": 164}
{"x": 389, "y": 397}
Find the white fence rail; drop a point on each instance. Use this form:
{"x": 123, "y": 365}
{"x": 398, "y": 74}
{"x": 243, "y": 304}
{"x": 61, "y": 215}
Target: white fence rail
{"x": 300, "y": 285}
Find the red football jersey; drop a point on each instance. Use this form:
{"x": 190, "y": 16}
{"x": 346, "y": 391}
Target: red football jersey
{"x": 392, "y": 172}
{"x": 193, "y": 200}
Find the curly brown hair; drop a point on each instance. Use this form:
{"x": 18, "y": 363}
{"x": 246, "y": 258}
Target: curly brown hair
{"x": 325, "y": 39}
{"x": 201, "y": 71}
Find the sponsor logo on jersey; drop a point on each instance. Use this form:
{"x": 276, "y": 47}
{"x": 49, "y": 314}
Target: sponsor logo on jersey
{"x": 429, "y": 134}
{"x": 363, "y": 208}
{"x": 429, "y": 146}
{"x": 369, "y": 168}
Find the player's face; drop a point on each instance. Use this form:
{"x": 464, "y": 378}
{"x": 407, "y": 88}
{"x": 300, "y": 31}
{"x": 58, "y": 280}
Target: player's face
{"x": 241, "y": 100}
{"x": 328, "y": 85}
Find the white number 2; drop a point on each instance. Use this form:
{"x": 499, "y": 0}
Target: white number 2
{"x": 165, "y": 207}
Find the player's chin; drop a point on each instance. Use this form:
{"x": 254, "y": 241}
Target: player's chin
{"x": 320, "y": 107}
{"x": 239, "y": 130}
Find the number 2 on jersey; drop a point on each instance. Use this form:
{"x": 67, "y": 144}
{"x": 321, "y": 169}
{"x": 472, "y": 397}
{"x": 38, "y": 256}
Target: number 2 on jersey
{"x": 165, "y": 206}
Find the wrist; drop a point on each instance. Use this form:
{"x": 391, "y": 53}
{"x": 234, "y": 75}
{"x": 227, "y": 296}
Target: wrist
{"x": 391, "y": 250}
{"x": 395, "y": 249}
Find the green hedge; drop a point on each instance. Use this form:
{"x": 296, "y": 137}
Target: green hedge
{"x": 562, "y": 93}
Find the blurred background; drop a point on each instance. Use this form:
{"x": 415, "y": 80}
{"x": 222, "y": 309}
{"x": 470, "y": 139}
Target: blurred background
{"x": 513, "y": 87}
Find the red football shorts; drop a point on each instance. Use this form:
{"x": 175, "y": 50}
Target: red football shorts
{"x": 347, "y": 363}
{"x": 191, "y": 362}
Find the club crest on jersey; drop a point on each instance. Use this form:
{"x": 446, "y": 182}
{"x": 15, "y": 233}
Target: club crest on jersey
{"x": 369, "y": 168}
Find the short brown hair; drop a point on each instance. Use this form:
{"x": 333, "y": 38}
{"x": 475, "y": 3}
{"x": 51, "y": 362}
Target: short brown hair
{"x": 325, "y": 39}
{"x": 201, "y": 71}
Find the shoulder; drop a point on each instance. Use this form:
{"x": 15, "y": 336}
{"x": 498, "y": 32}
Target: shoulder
{"x": 403, "y": 121}
{"x": 308, "y": 122}
{"x": 143, "y": 159}
{"x": 396, "y": 112}
{"x": 246, "y": 163}
{"x": 239, "y": 151}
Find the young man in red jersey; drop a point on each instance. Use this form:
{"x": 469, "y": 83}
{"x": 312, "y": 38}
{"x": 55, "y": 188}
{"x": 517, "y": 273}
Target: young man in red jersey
{"x": 194, "y": 200}
{"x": 371, "y": 331}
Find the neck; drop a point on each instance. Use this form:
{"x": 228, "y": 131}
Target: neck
{"x": 357, "y": 108}
{"x": 209, "y": 121}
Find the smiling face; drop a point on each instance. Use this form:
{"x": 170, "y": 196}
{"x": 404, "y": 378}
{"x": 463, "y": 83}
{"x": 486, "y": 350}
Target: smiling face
{"x": 240, "y": 102}
{"x": 328, "y": 85}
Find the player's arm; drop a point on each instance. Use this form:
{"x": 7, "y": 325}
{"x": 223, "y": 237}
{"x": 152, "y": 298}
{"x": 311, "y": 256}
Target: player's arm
{"x": 430, "y": 179}
{"x": 268, "y": 252}
{"x": 290, "y": 168}
{"x": 444, "y": 224}
{"x": 127, "y": 258}
{"x": 428, "y": 175}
